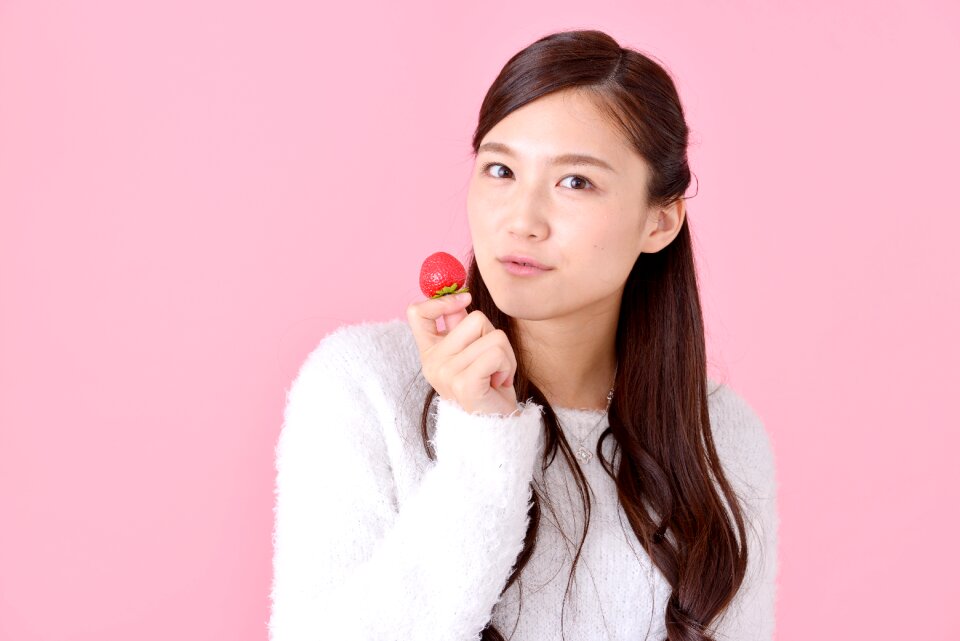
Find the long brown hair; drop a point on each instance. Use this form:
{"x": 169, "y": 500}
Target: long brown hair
{"x": 659, "y": 416}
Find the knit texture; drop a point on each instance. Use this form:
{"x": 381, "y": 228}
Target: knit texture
{"x": 374, "y": 541}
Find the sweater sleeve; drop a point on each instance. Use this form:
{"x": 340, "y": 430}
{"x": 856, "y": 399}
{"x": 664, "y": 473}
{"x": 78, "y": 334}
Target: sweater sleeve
{"x": 348, "y": 564}
{"x": 750, "y": 616}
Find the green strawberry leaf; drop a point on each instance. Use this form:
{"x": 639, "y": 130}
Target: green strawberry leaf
{"x": 449, "y": 289}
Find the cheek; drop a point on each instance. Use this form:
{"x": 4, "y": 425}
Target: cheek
{"x": 481, "y": 217}
{"x": 474, "y": 212}
{"x": 596, "y": 241}
{"x": 479, "y": 225}
{"x": 609, "y": 253}
{"x": 619, "y": 234}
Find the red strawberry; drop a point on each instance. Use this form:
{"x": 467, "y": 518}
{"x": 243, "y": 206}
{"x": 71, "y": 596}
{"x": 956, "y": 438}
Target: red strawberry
{"x": 442, "y": 274}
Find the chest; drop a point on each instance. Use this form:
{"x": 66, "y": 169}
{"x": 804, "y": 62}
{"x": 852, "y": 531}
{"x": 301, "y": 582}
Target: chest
{"x": 615, "y": 591}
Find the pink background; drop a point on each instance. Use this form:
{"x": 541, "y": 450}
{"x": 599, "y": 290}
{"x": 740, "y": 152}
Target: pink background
{"x": 192, "y": 194}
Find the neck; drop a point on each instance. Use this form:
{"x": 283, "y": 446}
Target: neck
{"x": 571, "y": 360}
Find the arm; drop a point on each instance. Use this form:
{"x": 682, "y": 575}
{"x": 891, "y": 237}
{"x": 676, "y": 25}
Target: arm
{"x": 750, "y": 617}
{"x": 347, "y": 564}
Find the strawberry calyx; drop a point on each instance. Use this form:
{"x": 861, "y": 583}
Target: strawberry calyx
{"x": 450, "y": 289}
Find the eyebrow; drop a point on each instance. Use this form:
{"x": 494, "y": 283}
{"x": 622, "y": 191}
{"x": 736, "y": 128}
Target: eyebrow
{"x": 563, "y": 159}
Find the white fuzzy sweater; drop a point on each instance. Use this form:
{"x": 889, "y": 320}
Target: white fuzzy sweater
{"x": 374, "y": 541}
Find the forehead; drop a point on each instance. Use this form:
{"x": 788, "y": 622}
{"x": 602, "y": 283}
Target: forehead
{"x": 563, "y": 122}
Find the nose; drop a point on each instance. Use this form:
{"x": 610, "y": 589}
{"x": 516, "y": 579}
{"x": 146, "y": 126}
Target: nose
{"x": 526, "y": 217}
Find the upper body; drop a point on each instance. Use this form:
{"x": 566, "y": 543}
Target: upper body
{"x": 374, "y": 540}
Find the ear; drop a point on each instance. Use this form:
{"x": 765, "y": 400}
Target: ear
{"x": 662, "y": 225}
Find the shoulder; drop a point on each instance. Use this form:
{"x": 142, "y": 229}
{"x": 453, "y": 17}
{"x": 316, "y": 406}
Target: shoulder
{"x": 366, "y": 343}
{"x": 370, "y": 353}
{"x": 746, "y": 454}
{"x": 744, "y": 445}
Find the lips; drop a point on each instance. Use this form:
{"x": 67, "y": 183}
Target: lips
{"x": 523, "y": 260}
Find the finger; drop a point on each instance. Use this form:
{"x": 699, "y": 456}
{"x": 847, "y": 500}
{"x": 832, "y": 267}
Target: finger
{"x": 472, "y": 327}
{"x": 502, "y": 380}
{"x": 480, "y": 372}
{"x": 452, "y": 320}
{"x": 494, "y": 342}
{"x": 422, "y": 317}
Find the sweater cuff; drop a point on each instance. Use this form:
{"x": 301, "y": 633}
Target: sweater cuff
{"x": 494, "y": 442}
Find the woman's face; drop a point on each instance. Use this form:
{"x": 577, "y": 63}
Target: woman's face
{"x": 586, "y": 222}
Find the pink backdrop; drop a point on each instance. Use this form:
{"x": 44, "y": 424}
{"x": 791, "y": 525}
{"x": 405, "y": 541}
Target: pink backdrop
{"x": 192, "y": 194}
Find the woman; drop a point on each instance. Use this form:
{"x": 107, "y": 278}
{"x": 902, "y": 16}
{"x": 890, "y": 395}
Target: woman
{"x": 419, "y": 499}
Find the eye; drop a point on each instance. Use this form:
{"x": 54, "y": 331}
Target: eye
{"x": 582, "y": 180}
{"x": 500, "y": 174}
{"x": 494, "y": 164}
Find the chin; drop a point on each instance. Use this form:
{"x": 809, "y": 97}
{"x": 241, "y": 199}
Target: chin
{"x": 517, "y": 304}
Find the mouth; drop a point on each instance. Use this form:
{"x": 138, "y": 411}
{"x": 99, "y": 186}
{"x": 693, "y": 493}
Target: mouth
{"x": 523, "y": 261}
{"x": 523, "y": 268}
